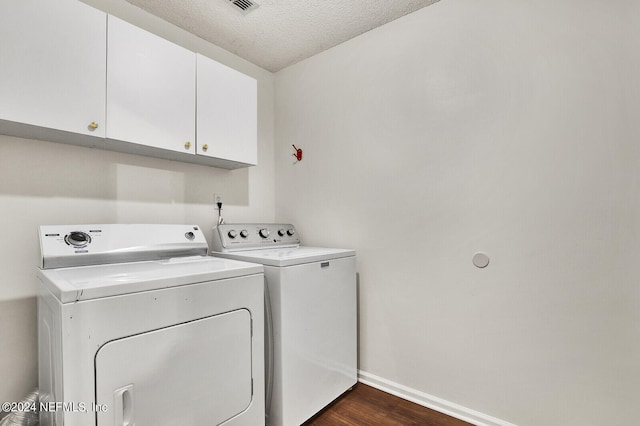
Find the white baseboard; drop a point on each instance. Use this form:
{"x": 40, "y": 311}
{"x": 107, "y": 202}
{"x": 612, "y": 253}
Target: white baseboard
{"x": 430, "y": 401}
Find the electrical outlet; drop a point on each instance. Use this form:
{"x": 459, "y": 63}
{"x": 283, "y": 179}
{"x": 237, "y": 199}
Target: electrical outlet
{"x": 217, "y": 198}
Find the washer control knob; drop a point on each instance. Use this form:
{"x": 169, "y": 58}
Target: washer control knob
{"x": 291, "y": 232}
{"x": 190, "y": 236}
{"x": 264, "y": 233}
{"x": 77, "y": 239}
{"x": 244, "y": 233}
{"x": 281, "y": 232}
{"x": 232, "y": 234}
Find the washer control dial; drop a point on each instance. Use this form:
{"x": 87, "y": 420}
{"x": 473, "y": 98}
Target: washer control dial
{"x": 291, "y": 232}
{"x": 77, "y": 239}
{"x": 244, "y": 233}
{"x": 264, "y": 233}
{"x": 232, "y": 234}
{"x": 281, "y": 232}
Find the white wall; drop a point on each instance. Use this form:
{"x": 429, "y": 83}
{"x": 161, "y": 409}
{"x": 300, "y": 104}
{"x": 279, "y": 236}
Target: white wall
{"x": 48, "y": 183}
{"x": 499, "y": 126}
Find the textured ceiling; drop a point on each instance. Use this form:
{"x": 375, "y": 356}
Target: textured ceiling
{"x": 279, "y": 32}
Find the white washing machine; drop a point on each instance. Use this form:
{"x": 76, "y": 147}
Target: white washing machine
{"x": 312, "y": 324}
{"x": 138, "y": 326}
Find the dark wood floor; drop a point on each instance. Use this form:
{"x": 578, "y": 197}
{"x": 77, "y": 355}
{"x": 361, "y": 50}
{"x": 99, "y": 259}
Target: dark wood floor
{"x": 365, "y": 405}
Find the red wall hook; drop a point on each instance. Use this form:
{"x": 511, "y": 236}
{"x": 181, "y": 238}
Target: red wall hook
{"x": 298, "y": 153}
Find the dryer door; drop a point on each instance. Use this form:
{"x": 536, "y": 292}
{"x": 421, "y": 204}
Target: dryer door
{"x": 195, "y": 373}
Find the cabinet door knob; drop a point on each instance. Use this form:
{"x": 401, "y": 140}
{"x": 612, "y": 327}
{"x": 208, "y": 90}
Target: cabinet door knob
{"x": 93, "y": 125}
{"x": 205, "y": 147}
{"x": 187, "y": 145}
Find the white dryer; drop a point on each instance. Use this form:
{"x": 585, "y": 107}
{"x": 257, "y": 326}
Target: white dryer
{"x": 138, "y": 326}
{"x": 312, "y": 343}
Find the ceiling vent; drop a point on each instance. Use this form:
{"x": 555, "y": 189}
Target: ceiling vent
{"x": 244, "y": 6}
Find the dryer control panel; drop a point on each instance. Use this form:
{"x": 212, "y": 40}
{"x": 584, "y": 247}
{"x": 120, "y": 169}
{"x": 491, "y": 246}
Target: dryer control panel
{"x": 64, "y": 246}
{"x": 251, "y": 236}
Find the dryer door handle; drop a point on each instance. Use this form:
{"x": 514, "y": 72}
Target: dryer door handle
{"x": 124, "y": 413}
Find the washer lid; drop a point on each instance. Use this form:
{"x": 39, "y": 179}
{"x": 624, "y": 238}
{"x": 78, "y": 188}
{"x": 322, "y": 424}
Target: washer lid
{"x": 288, "y": 256}
{"x": 97, "y": 281}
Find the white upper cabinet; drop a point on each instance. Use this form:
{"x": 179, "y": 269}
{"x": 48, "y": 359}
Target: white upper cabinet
{"x": 69, "y": 73}
{"x": 226, "y": 113}
{"x": 151, "y": 89}
{"x": 53, "y": 65}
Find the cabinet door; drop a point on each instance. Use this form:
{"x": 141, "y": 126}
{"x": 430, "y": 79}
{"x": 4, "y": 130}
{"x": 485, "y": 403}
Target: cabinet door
{"x": 227, "y": 113}
{"x": 53, "y": 65}
{"x": 151, "y": 89}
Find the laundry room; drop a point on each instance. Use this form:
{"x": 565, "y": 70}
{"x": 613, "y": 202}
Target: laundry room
{"x": 480, "y": 158}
